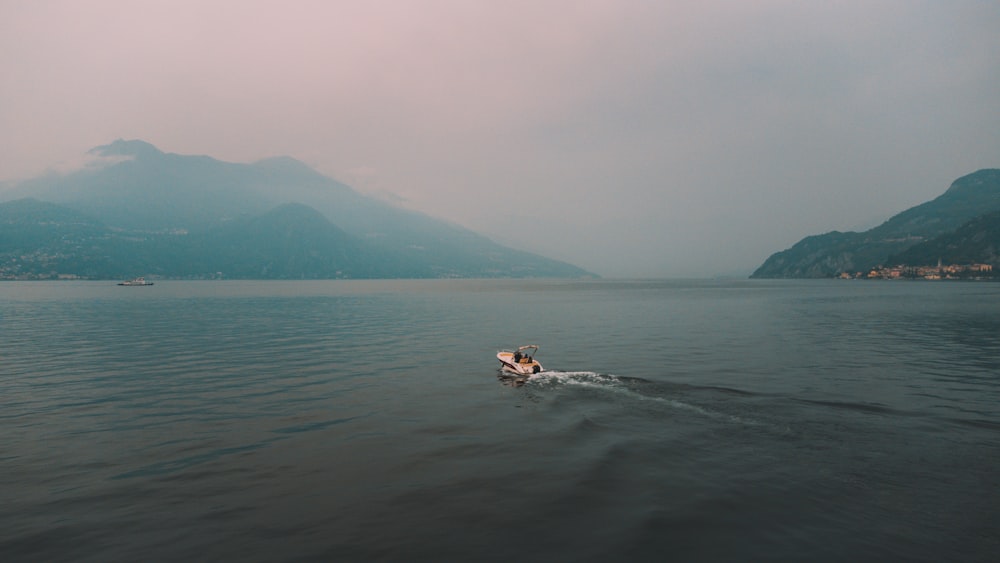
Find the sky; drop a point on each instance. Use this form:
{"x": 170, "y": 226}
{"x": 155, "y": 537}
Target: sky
{"x": 632, "y": 138}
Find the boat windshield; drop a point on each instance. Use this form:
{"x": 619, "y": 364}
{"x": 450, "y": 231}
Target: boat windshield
{"x": 528, "y": 350}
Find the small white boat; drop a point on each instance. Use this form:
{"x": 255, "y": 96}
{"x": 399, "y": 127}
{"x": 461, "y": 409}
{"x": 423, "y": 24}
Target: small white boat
{"x": 521, "y": 361}
{"x": 136, "y": 281}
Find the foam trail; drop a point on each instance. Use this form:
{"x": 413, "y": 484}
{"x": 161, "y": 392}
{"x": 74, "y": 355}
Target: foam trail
{"x": 614, "y": 384}
{"x": 581, "y": 378}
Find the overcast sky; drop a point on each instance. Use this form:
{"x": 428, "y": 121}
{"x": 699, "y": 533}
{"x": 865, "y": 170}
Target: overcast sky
{"x": 632, "y": 138}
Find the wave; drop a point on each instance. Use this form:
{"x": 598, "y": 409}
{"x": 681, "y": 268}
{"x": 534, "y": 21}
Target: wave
{"x": 869, "y": 408}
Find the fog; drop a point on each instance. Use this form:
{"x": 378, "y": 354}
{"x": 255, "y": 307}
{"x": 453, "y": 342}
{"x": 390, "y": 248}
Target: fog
{"x": 631, "y": 138}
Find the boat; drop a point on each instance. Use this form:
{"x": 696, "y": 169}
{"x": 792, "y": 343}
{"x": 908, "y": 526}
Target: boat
{"x": 521, "y": 361}
{"x": 136, "y": 281}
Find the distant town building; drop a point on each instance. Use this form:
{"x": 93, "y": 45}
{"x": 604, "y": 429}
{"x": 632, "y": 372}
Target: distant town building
{"x": 939, "y": 272}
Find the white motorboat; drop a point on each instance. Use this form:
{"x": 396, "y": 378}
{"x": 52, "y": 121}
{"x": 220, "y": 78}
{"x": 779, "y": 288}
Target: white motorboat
{"x": 136, "y": 281}
{"x": 521, "y": 361}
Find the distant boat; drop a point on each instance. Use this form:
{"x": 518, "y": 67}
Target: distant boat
{"x": 136, "y": 281}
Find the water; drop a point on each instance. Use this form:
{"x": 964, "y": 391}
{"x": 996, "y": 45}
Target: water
{"x": 362, "y": 421}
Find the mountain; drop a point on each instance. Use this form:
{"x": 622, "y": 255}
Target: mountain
{"x": 291, "y": 241}
{"x": 40, "y": 237}
{"x": 195, "y": 216}
{"x": 827, "y": 255}
{"x": 135, "y": 186}
{"x": 975, "y": 242}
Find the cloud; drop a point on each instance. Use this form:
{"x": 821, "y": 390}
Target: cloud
{"x": 87, "y": 162}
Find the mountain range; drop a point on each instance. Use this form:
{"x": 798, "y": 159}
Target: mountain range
{"x": 961, "y": 226}
{"x": 139, "y": 211}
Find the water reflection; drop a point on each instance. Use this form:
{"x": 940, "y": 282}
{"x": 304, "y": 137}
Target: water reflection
{"x": 511, "y": 380}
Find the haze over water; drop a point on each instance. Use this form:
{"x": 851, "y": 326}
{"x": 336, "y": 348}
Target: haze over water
{"x": 340, "y": 420}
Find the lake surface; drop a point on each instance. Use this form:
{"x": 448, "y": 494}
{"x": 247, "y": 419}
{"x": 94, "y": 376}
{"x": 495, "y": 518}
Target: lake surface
{"x": 365, "y": 421}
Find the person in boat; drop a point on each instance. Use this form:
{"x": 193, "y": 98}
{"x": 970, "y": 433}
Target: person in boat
{"x": 517, "y": 357}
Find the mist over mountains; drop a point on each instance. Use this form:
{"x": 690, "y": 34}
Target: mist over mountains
{"x": 135, "y": 210}
{"x": 958, "y": 227}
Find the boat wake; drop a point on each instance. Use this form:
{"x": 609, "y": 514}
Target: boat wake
{"x": 578, "y": 378}
{"x": 631, "y": 388}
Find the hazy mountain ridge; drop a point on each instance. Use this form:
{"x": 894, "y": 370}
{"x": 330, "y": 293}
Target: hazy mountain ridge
{"x": 827, "y": 255}
{"x": 154, "y": 213}
{"x": 151, "y": 190}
